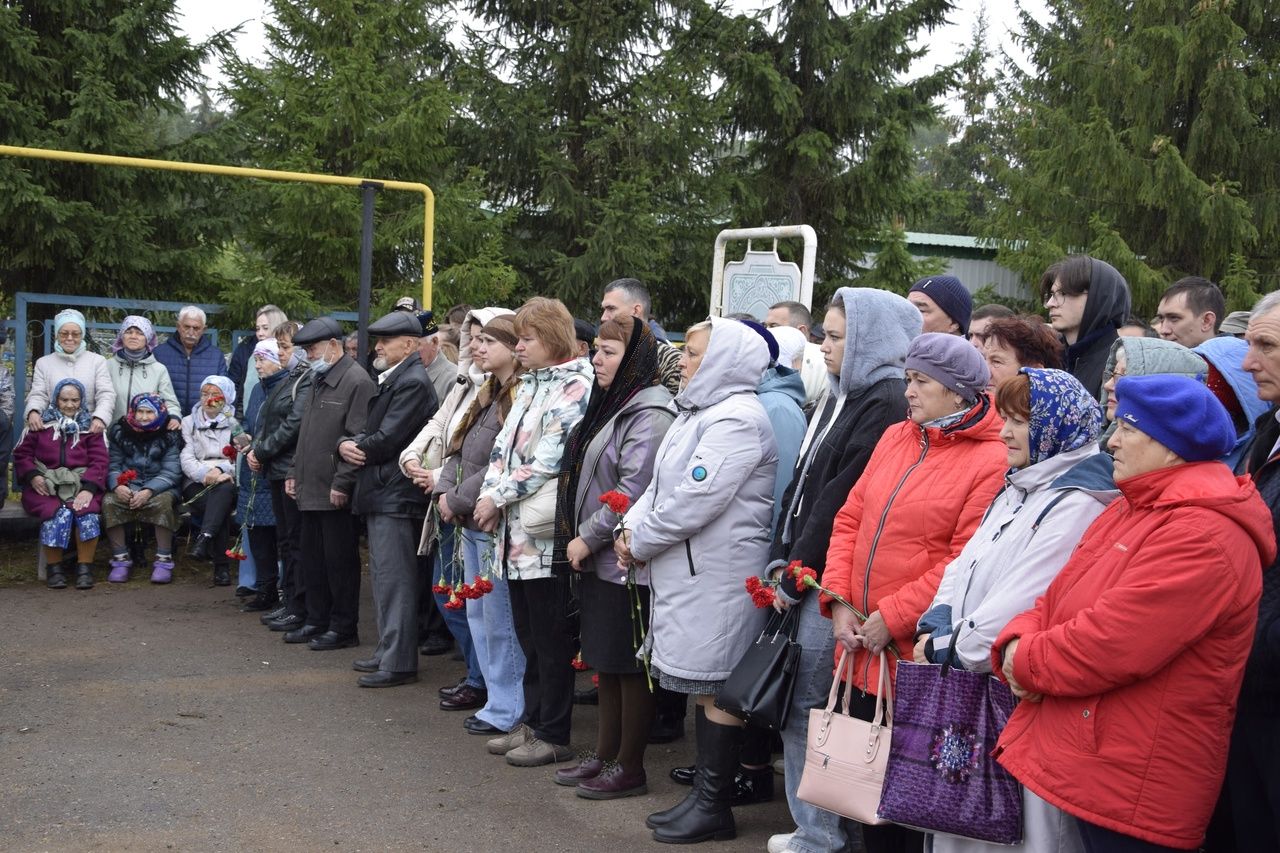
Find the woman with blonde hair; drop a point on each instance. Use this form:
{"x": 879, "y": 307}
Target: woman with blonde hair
{"x": 553, "y": 396}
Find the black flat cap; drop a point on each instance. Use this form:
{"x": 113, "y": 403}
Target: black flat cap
{"x": 317, "y": 330}
{"x": 396, "y": 324}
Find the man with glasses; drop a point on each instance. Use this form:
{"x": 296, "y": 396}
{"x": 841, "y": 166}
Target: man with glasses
{"x": 1088, "y": 301}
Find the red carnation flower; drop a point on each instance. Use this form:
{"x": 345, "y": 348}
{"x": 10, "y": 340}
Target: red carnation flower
{"x": 616, "y": 501}
{"x": 579, "y": 664}
{"x": 483, "y": 586}
{"x": 236, "y": 554}
{"x": 126, "y": 477}
{"x": 762, "y": 597}
{"x": 230, "y": 451}
{"x": 753, "y": 584}
{"x": 442, "y": 589}
{"x": 801, "y": 573}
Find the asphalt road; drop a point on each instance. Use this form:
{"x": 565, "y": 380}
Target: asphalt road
{"x": 161, "y": 718}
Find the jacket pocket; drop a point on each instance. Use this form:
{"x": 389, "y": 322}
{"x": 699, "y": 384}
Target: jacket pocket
{"x": 1086, "y": 711}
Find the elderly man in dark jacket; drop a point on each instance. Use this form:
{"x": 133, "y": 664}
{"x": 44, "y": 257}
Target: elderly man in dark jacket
{"x": 190, "y": 355}
{"x": 279, "y": 421}
{"x": 392, "y": 505}
{"x": 322, "y": 484}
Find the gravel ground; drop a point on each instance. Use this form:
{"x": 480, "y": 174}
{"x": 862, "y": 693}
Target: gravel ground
{"x": 136, "y": 717}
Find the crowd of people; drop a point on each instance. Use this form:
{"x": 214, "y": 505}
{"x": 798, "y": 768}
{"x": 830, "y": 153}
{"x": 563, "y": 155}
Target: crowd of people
{"x": 1085, "y": 508}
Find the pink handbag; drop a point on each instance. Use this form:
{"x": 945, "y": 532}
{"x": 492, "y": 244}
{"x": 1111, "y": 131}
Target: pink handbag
{"x": 845, "y": 759}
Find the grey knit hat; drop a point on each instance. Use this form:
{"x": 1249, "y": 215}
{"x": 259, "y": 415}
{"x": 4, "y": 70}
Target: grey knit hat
{"x": 951, "y": 360}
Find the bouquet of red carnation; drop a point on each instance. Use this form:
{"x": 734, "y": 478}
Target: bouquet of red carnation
{"x": 230, "y": 451}
{"x": 761, "y": 592}
{"x": 616, "y": 501}
{"x": 126, "y": 477}
{"x": 236, "y": 551}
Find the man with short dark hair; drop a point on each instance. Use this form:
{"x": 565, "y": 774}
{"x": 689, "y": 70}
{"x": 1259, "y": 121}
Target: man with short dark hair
{"x": 813, "y": 370}
{"x": 628, "y": 297}
{"x": 981, "y": 318}
{"x": 1190, "y": 311}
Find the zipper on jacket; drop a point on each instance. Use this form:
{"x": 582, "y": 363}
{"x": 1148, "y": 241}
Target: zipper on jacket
{"x": 688, "y": 552}
{"x": 875, "y": 541}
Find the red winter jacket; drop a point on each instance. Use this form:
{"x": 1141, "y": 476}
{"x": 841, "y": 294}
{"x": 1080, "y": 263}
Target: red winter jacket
{"x": 1139, "y": 646}
{"x": 922, "y": 495}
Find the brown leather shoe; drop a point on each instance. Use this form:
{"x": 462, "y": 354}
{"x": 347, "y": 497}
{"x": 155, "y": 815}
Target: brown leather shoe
{"x": 588, "y": 768}
{"x": 612, "y": 783}
{"x": 465, "y": 698}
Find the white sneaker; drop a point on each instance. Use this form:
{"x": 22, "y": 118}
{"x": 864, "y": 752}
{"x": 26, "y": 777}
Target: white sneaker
{"x": 780, "y": 843}
{"x": 779, "y": 767}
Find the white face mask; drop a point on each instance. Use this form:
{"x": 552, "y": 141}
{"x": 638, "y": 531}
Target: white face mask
{"x": 318, "y": 364}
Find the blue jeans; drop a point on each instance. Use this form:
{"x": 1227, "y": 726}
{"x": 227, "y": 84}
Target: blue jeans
{"x": 455, "y": 620}
{"x": 817, "y": 830}
{"x": 493, "y": 635}
{"x": 247, "y": 569}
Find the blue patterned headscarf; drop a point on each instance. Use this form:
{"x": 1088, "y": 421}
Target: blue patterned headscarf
{"x": 1064, "y": 416}
{"x": 63, "y": 426}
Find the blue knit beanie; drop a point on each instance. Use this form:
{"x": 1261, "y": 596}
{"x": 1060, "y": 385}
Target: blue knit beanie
{"x": 769, "y": 340}
{"x": 1177, "y": 411}
{"x": 950, "y": 295}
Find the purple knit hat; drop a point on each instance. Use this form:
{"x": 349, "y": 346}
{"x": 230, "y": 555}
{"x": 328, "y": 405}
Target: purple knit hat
{"x": 951, "y": 360}
{"x": 951, "y": 296}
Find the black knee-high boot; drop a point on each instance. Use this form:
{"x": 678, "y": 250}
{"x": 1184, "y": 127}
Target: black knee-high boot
{"x": 710, "y": 815}
{"x": 661, "y": 818}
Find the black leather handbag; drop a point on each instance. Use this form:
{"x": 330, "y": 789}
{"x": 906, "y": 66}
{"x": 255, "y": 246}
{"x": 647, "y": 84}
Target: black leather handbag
{"x": 760, "y": 686}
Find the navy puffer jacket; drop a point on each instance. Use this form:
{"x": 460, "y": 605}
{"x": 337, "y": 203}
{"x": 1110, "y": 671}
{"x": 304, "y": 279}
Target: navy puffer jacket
{"x": 154, "y": 455}
{"x": 187, "y": 372}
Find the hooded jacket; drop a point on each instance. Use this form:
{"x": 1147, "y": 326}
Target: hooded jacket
{"x": 781, "y": 392}
{"x": 279, "y": 422}
{"x": 527, "y": 453}
{"x": 400, "y": 407}
{"x": 1149, "y": 357}
{"x": 702, "y": 525}
{"x": 88, "y": 368}
{"x": 1227, "y": 357}
{"x": 187, "y": 371}
{"x": 144, "y": 376}
{"x": 921, "y": 497}
{"x": 861, "y": 403}
{"x": 1138, "y": 647}
{"x": 1105, "y": 310}
{"x": 1024, "y": 539}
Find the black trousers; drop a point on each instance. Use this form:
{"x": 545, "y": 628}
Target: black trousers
{"x": 1096, "y": 839}
{"x": 265, "y": 546}
{"x": 331, "y": 569}
{"x": 214, "y": 509}
{"x": 289, "y": 536}
{"x": 430, "y": 619}
{"x": 539, "y": 609}
{"x": 887, "y": 837}
{"x": 1253, "y": 780}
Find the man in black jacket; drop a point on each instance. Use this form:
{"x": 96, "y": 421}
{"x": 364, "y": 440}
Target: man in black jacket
{"x": 393, "y": 507}
{"x": 1253, "y": 764}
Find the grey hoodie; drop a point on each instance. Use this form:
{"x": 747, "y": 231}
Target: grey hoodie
{"x": 702, "y": 525}
{"x": 1148, "y": 357}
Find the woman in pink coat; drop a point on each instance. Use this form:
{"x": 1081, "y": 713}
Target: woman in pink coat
{"x": 63, "y": 471}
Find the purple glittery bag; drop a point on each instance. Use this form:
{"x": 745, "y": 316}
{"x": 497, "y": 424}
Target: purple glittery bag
{"x": 941, "y": 776}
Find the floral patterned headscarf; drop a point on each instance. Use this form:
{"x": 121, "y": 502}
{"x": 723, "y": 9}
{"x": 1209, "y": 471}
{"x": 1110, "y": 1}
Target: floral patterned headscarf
{"x": 63, "y": 426}
{"x": 147, "y": 401}
{"x": 1064, "y": 416}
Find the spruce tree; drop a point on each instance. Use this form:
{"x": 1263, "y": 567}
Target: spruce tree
{"x": 1147, "y": 134}
{"x": 598, "y": 132}
{"x": 104, "y": 77}
{"x": 357, "y": 88}
{"x": 823, "y": 117}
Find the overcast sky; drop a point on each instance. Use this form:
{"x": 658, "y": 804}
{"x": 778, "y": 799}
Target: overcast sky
{"x": 200, "y": 18}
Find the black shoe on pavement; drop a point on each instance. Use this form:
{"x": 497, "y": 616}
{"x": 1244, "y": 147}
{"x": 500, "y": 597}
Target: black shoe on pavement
{"x": 287, "y": 622}
{"x": 476, "y": 726}
{"x": 382, "y": 678}
{"x": 331, "y": 640}
{"x": 465, "y": 698}
{"x": 446, "y": 692}
{"x": 304, "y": 634}
{"x": 272, "y": 615}
{"x": 590, "y": 696}
{"x": 365, "y": 665}
{"x": 200, "y": 548}
{"x": 435, "y": 644}
{"x": 222, "y": 576}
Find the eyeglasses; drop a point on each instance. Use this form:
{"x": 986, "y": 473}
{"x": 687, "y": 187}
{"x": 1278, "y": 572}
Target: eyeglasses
{"x": 1058, "y": 296}
{"x": 1108, "y": 375}
{"x": 69, "y": 335}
